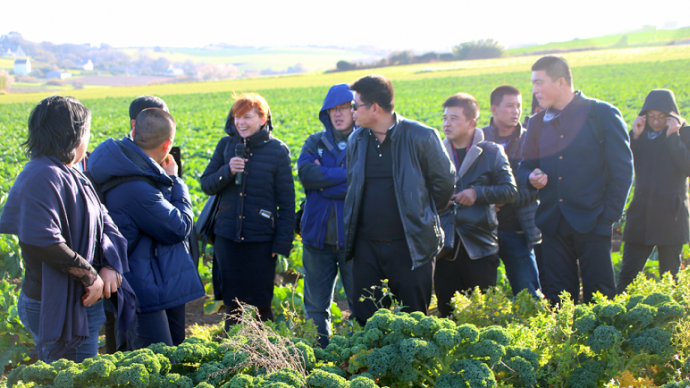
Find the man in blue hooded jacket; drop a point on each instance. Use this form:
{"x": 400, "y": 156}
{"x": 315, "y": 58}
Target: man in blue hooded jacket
{"x": 153, "y": 211}
{"x": 321, "y": 167}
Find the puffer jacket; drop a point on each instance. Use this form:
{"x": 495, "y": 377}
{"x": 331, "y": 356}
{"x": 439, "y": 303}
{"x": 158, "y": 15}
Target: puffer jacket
{"x": 486, "y": 169}
{"x": 155, "y": 221}
{"x": 423, "y": 176}
{"x": 526, "y": 202}
{"x": 262, "y": 209}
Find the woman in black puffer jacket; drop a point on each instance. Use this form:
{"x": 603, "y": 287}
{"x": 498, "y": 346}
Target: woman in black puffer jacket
{"x": 255, "y": 219}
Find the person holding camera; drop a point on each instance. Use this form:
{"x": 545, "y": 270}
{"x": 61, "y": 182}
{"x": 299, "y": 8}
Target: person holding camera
{"x": 73, "y": 252}
{"x": 152, "y": 208}
{"x": 250, "y": 170}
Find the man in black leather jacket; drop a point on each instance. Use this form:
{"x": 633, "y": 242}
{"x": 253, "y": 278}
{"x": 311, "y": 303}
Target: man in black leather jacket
{"x": 398, "y": 176}
{"x": 484, "y": 179}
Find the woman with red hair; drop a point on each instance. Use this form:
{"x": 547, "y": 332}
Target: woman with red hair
{"x": 255, "y": 218}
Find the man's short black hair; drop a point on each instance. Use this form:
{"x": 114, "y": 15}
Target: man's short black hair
{"x": 153, "y": 127}
{"x": 555, "y": 67}
{"x": 375, "y": 89}
{"x": 57, "y": 126}
{"x": 142, "y": 102}
{"x": 469, "y": 105}
{"x": 501, "y": 91}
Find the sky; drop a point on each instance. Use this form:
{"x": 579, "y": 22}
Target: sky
{"x": 420, "y": 25}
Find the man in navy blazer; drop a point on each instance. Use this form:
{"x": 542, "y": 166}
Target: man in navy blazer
{"x": 577, "y": 154}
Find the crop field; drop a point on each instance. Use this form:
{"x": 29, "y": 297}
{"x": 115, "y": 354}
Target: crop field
{"x": 637, "y": 38}
{"x": 621, "y": 77}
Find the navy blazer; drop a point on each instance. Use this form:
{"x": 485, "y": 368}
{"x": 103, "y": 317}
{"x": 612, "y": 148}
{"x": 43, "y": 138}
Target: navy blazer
{"x": 588, "y": 183}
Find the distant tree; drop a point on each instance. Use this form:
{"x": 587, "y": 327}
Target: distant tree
{"x": 298, "y": 68}
{"x": 160, "y": 65}
{"x": 446, "y": 57}
{"x": 478, "y": 49}
{"x": 105, "y": 46}
{"x": 216, "y": 72}
{"x": 400, "y": 57}
{"x": 6, "y": 80}
{"x": 426, "y": 58}
{"x": 345, "y": 65}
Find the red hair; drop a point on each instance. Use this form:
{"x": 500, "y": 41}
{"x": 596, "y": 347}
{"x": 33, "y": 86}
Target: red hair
{"x": 248, "y": 101}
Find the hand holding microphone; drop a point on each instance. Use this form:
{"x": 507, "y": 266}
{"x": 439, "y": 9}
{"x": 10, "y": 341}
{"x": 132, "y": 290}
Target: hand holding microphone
{"x": 237, "y": 164}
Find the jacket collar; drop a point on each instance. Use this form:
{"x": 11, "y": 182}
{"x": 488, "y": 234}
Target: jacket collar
{"x": 472, "y": 154}
{"x": 398, "y": 120}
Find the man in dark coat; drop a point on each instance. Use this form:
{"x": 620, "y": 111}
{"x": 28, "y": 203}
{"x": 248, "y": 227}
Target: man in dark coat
{"x": 155, "y": 215}
{"x": 658, "y": 214}
{"x": 321, "y": 168}
{"x": 398, "y": 177}
{"x": 484, "y": 179}
{"x": 577, "y": 154}
{"x": 517, "y": 234}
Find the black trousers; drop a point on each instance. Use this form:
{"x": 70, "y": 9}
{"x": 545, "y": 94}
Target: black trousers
{"x": 564, "y": 251}
{"x": 635, "y": 257}
{"x": 462, "y": 274}
{"x": 378, "y": 260}
{"x": 247, "y": 272}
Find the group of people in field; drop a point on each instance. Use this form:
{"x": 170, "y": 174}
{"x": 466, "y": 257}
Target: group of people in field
{"x": 107, "y": 239}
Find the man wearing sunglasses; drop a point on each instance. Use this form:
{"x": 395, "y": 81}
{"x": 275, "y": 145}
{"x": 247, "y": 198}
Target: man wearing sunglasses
{"x": 577, "y": 154}
{"x": 399, "y": 176}
{"x": 321, "y": 167}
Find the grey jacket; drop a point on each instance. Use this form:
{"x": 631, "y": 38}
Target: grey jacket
{"x": 423, "y": 176}
{"x": 486, "y": 169}
{"x": 527, "y": 199}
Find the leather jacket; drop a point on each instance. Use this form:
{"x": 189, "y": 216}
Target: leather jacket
{"x": 487, "y": 170}
{"x": 423, "y": 175}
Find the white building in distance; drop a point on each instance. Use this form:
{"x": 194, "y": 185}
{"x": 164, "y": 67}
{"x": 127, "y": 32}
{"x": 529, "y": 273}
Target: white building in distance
{"x": 22, "y": 66}
{"x": 58, "y": 74}
{"x": 88, "y": 65}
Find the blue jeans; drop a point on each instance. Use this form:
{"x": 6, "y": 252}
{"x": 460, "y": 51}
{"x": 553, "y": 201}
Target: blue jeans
{"x": 320, "y": 270}
{"x": 518, "y": 258}
{"x": 29, "y": 311}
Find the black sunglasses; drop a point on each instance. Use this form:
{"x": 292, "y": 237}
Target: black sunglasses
{"x": 355, "y": 106}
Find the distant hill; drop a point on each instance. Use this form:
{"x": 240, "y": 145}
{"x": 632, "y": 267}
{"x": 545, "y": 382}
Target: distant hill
{"x": 644, "y": 37}
{"x": 260, "y": 60}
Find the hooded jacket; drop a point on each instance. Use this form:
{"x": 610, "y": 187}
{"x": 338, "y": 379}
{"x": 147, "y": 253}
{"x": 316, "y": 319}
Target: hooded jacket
{"x": 162, "y": 272}
{"x": 262, "y": 208}
{"x": 325, "y": 184}
{"x": 658, "y": 213}
{"x": 487, "y": 170}
{"x": 526, "y": 202}
{"x": 423, "y": 176}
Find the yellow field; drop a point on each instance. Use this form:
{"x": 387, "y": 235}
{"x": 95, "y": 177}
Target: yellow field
{"x": 6, "y": 63}
{"x": 411, "y": 72}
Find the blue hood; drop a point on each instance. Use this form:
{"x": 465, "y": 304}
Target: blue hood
{"x": 337, "y": 95}
{"x": 119, "y": 158}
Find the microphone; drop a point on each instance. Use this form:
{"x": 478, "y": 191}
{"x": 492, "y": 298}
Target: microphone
{"x": 239, "y": 152}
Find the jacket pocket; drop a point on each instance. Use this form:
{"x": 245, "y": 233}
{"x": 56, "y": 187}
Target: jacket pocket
{"x": 155, "y": 269}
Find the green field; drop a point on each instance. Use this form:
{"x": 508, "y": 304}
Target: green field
{"x": 634, "y": 39}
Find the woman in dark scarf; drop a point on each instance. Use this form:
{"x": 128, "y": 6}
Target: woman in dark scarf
{"x": 74, "y": 254}
{"x": 658, "y": 214}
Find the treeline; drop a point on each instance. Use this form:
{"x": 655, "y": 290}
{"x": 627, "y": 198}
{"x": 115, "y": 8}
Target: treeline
{"x": 476, "y": 49}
